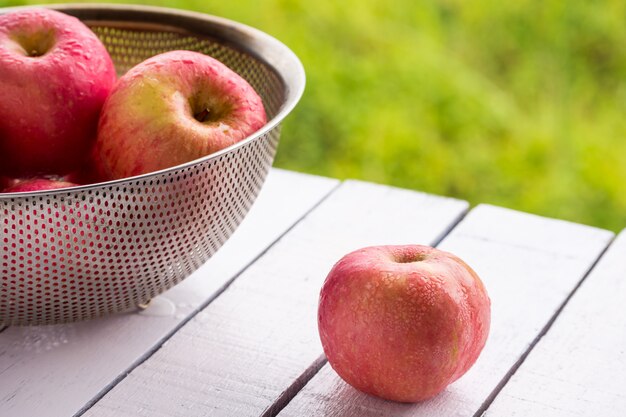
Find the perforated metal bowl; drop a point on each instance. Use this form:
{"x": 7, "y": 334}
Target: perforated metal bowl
{"x": 84, "y": 252}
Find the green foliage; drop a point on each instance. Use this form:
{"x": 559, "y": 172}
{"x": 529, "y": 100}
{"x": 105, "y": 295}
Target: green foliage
{"x": 518, "y": 104}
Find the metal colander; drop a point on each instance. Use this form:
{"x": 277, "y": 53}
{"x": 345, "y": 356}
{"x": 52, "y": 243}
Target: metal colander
{"x": 89, "y": 251}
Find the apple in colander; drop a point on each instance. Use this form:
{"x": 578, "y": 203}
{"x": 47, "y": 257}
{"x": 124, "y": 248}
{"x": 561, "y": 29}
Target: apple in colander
{"x": 55, "y": 74}
{"x": 38, "y": 184}
{"x": 171, "y": 109}
{"x": 402, "y": 322}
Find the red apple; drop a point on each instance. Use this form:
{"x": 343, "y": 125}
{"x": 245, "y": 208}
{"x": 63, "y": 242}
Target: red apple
{"x": 171, "y": 109}
{"x": 402, "y": 322}
{"x": 6, "y": 182}
{"x": 38, "y": 184}
{"x": 54, "y": 77}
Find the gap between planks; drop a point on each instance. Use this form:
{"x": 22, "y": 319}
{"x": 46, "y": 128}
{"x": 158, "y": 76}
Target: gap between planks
{"x": 195, "y": 312}
{"x": 490, "y": 399}
{"x": 286, "y": 396}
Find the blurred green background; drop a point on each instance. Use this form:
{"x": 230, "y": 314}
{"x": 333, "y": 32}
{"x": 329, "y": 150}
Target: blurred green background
{"x": 519, "y": 104}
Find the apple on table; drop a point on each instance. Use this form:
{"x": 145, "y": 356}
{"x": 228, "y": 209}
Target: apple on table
{"x": 402, "y": 322}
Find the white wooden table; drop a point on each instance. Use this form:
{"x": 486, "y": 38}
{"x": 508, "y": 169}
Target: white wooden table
{"x": 239, "y": 337}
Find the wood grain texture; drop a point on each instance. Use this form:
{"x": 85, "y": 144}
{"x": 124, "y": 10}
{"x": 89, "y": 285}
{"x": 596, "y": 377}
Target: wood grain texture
{"x": 258, "y": 337}
{"x": 529, "y": 265}
{"x": 56, "y": 370}
{"x": 579, "y": 367}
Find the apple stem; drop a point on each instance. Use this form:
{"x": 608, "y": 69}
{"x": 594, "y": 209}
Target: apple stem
{"x": 202, "y": 116}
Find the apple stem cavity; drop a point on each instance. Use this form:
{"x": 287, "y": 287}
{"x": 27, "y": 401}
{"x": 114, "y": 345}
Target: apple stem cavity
{"x": 35, "y": 53}
{"x": 409, "y": 257}
{"x": 203, "y": 116}
{"x": 37, "y": 44}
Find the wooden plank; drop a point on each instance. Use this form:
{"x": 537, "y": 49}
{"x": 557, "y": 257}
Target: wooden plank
{"x": 256, "y": 339}
{"x": 579, "y": 367}
{"x": 529, "y": 266}
{"x": 57, "y": 370}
